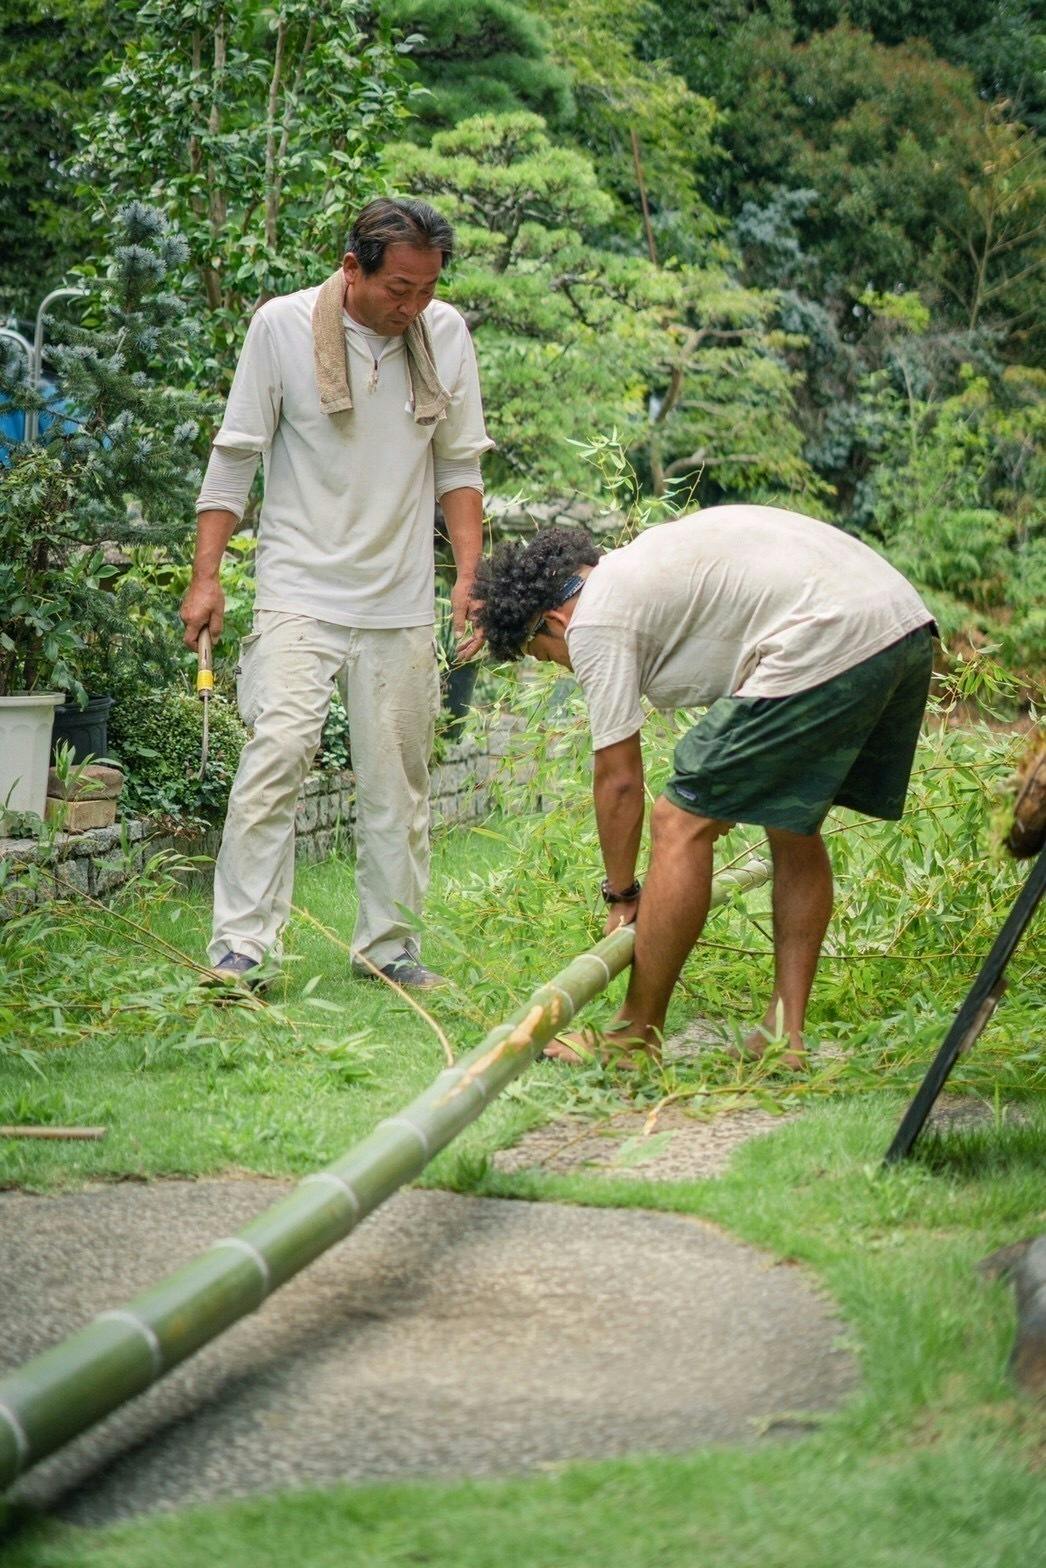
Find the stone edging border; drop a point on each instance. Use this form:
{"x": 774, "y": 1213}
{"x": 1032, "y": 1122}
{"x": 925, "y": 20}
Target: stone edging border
{"x": 101, "y": 860}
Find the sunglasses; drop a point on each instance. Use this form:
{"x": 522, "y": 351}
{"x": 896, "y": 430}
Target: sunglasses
{"x": 573, "y": 585}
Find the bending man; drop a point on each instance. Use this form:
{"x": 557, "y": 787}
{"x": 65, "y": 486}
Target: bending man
{"x": 362, "y": 396}
{"x": 814, "y": 657}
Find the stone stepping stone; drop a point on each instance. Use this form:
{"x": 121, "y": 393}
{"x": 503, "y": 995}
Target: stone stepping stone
{"x": 449, "y": 1336}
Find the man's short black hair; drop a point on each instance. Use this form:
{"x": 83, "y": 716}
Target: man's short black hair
{"x": 397, "y": 221}
{"x": 517, "y": 581}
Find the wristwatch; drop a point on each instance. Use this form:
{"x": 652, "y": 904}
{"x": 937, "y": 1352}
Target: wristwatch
{"x": 628, "y": 896}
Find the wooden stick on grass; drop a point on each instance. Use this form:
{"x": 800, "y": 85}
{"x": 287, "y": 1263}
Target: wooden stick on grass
{"x": 53, "y": 1132}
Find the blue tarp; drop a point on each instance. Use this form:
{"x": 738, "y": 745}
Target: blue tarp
{"x": 12, "y": 421}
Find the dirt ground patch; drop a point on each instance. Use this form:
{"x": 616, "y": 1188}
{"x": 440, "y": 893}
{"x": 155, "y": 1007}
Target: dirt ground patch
{"x": 677, "y": 1145}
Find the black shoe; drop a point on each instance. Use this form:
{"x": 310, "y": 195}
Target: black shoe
{"x": 406, "y": 971}
{"x": 234, "y": 969}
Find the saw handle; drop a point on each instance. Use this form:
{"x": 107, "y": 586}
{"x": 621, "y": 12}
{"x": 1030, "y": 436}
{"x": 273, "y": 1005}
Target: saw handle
{"x": 205, "y": 664}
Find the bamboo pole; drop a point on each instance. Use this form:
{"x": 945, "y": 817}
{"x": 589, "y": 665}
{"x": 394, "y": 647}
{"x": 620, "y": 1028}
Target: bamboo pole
{"x": 60, "y": 1393}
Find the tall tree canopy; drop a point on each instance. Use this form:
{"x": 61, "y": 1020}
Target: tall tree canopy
{"x": 489, "y": 54}
{"x": 575, "y": 338}
{"x": 260, "y": 129}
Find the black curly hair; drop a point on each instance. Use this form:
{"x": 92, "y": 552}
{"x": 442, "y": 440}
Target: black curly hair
{"x": 516, "y": 582}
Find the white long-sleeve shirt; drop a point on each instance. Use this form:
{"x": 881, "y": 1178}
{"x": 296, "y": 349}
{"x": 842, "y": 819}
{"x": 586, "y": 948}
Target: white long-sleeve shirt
{"x": 345, "y": 532}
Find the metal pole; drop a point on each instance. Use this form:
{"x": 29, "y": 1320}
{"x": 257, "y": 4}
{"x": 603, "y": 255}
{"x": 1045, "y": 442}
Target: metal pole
{"x": 23, "y": 343}
{"x": 36, "y": 363}
{"x": 979, "y": 1005}
{"x": 122, "y": 1352}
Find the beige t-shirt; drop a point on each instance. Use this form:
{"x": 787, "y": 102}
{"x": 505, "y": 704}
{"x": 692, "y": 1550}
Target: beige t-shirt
{"x": 345, "y": 532}
{"x": 750, "y": 601}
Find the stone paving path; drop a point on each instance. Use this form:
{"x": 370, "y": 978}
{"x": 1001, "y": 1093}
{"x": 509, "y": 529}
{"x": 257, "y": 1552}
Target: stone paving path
{"x": 450, "y": 1336}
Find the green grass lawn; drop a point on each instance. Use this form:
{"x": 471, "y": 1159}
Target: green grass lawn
{"x": 187, "y": 1087}
{"x": 934, "y": 1461}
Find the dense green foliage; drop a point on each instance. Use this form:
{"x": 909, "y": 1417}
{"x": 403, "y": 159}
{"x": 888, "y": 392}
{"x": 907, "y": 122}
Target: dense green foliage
{"x": 573, "y": 335}
{"x": 960, "y": 511}
{"x": 1002, "y": 42}
{"x": 155, "y": 735}
{"x": 261, "y": 128}
{"x": 479, "y": 52}
{"x": 620, "y": 93}
{"x": 50, "y": 54}
{"x": 771, "y": 244}
{"x": 116, "y": 433}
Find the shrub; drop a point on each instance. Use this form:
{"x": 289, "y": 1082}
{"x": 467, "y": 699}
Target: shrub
{"x": 156, "y": 736}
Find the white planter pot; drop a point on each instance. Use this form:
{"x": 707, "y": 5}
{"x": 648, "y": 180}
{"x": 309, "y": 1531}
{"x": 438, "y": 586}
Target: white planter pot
{"x": 25, "y": 749}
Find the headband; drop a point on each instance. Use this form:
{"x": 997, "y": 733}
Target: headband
{"x": 573, "y": 585}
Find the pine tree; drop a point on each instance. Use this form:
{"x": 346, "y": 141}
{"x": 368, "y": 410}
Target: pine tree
{"x": 472, "y": 55}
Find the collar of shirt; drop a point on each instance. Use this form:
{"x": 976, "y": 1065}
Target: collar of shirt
{"x": 375, "y": 344}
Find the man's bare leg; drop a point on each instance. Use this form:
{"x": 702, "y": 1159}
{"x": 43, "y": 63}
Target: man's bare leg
{"x": 802, "y": 907}
{"x": 672, "y": 914}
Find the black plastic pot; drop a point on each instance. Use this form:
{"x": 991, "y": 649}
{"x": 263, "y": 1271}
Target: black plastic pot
{"x": 457, "y": 697}
{"x": 86, "y": 730}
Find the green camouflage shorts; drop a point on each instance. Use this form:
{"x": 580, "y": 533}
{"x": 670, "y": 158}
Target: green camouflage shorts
{"x": 781, "y": 762}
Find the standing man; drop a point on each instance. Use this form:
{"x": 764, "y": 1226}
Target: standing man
{"x": 814, "y": 657}
{"x": 362, "y": 398}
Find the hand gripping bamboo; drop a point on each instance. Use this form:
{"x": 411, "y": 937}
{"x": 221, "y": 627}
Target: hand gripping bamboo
{"x": 60, "y": 1393}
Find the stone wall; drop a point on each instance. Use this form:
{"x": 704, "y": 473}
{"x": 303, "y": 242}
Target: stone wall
{"x": 101, "y": 860}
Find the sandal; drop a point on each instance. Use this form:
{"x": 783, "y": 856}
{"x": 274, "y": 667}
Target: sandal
{"x": 588, "y": 1046}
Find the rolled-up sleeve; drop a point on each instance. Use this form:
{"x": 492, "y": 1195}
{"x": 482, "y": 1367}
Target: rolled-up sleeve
{"x": 252, "y": 413}
{"x": 461, "y": 439}
{"x": 227, "y": 482}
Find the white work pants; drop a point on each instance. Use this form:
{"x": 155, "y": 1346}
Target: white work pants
{"x": 390, "y": 685}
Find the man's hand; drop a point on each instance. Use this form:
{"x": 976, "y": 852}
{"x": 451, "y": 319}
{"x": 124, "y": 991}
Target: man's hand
{"x": 203, "y": 605}
{"x": 470, "y": 638}
{"x": 621, "y": 915}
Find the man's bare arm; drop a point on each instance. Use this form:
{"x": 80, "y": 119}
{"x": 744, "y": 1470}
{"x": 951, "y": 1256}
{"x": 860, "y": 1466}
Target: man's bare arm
{"x": 617, "y": 790}
{"x": 463, "y": 510}
{"x": 204, "y": 602}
